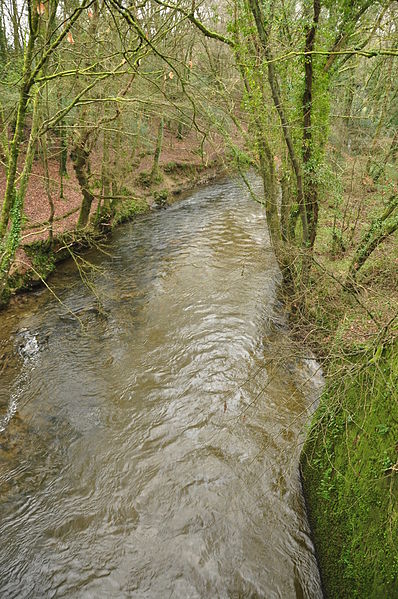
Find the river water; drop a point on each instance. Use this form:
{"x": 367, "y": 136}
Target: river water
{"x": 151, "y": 418}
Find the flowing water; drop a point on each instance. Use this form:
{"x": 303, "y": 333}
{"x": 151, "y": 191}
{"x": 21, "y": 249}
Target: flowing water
{"x": 151, "y": 419}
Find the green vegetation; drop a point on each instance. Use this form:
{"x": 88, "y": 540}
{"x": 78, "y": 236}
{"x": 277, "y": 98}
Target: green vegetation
{"x": 114, "y": 106}
{"x": 350, "y": 476}
{"x": 144, "y": 179}
{"x": 127, "y": 210}
{"x": 42, "y": 257}
{"x": 160, "y": 197}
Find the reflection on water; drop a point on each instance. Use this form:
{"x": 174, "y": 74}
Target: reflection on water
{"x": 151, "y": 432}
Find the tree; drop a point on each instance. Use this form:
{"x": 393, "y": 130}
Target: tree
{"x": 289, "y": 57}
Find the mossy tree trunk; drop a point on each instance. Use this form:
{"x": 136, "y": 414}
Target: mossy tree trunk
{"x": 105, "y": 176}
{"x": 63, "y": 153}
{"x": 260, "y": 22}
{"x": 13, "y": 238}
{"x": 81, "y": 163}
{"x": 309, "y": 164}
{"x": 33, "y": 64}
{"x": 15, "y": 20}
{"x": 379, "y": 230}
{"x": 47, "y": 185}
{"x": 158, "y": 150}
{"x": 24, "y": 96}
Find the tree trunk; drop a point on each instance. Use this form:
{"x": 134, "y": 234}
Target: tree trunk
{"x": 158, "y": 150}
{"x": 12, "y": 165}
{"x": 105, "y": 175}
{"x": 63, "y": 153}
{"x": 310, "y": 186}
{"x": 80, "y": 159}
{"x": 15, "y": 27}
{"x": 277, "y": 99}
{"x": 14, "y": 236}
{"x": 379, "y": 230}
{"x": 47, "y": 184}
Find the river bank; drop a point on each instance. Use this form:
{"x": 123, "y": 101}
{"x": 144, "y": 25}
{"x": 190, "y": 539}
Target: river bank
{"x": 349, "y": 462}
{"x": 39, "y": 253}
{"x": 349, "y": 471}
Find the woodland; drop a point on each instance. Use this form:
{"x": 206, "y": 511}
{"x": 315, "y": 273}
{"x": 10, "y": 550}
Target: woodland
{"x": 110, "y": 108}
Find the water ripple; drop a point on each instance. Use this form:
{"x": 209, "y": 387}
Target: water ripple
{"x": 148, "y": 448}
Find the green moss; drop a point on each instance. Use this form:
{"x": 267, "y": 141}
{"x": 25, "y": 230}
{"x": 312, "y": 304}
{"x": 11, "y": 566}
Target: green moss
{"x": 179, "y": 168}
{"x": 42, "y": 256}
{"x": 5, "y": 295}
{"x": 146, "y": 178}
{"x": 160, "y": 197}
{"x": 349, "y": 480}
{"x": 127, "y": 210}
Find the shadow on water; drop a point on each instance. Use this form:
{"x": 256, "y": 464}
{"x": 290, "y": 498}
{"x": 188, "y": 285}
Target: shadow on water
{"x": 151, "y": 432}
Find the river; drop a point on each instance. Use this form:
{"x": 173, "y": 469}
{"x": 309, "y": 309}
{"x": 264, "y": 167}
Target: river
{"x": 152, "y": 415}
